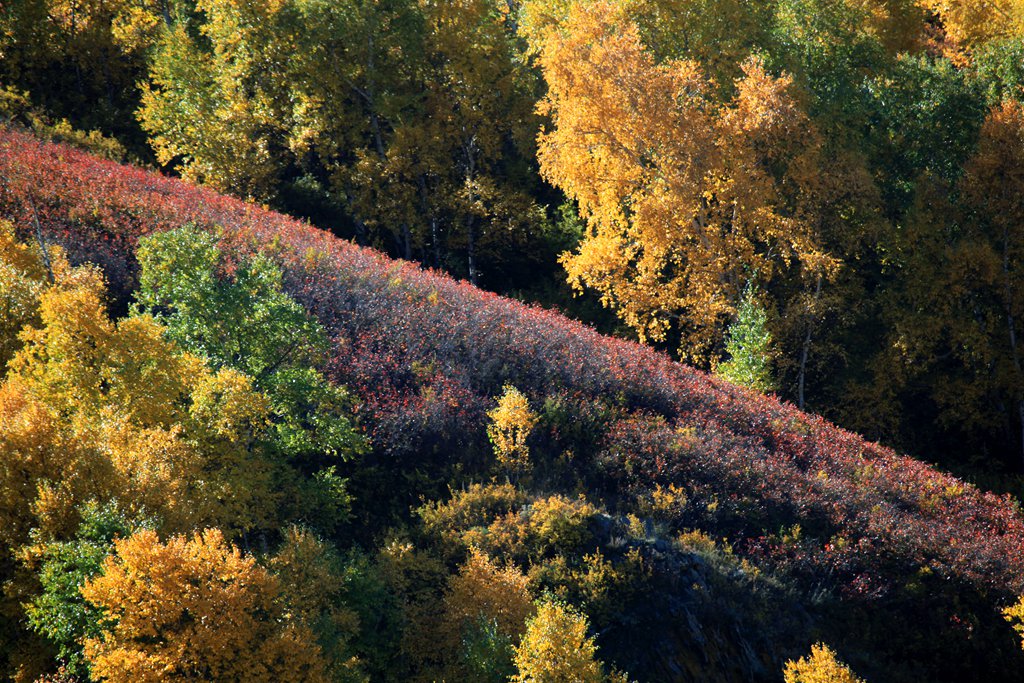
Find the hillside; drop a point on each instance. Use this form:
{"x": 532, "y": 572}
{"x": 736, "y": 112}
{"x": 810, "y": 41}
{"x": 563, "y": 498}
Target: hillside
{"x": 901, "y": 568}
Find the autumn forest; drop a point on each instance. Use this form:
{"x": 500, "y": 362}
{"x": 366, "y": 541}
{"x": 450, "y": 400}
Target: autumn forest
{"x": 529, "y": 341}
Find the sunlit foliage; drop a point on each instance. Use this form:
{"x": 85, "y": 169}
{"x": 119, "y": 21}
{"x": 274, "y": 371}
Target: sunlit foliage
{"x": 821, "y": 666}
{"x": 511, "y": 422}
{"x": 486, "y": 610}
{"x": 749, "y": 348}
{"x": 166, "y": 607}
{"x": 674, "y": 188}
{"x": 971, "y": 22}
{"x": 1015, "y": 615}
{"x": 556, "y": 648}
{"x": 241, "y": 319}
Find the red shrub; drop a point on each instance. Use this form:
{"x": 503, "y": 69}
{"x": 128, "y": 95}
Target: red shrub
{"x": 426, "y": 354}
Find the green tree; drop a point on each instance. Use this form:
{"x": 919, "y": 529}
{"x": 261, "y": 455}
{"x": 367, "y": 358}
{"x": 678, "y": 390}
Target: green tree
{"x": 245, "y": 321}
{"x": 748, "y": 345}
{"x": 59, "y": 612}
{"x": 998, "y": 67}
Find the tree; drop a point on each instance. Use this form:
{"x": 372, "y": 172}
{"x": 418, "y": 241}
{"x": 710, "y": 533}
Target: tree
{"x": 955, "y": 318}
{"x": 222, "y": 110}
{"x": 973, "y": 22}
{"x": 45, "y": 470}
{"x": 998, "y": 66}
{"x": 479, "y": 108}
{"x": 70, "y": 55}
{"x": 486, "y": 610}
{"x": 244, "y": 321}
{"x": 22, "y": 278}
{"x": 993, "y": 185}
{"x": 97, "y": 409}
{"x": 556, "y": 648}
{"x": 717, "y": 34}
{"x": 511, "y": 422}
{"x": 749, "y": 347}
{"x": 821, "y": 666}
{"x": 59, "y": 612}
{"x": 47, "y": 467}
{"x": 676, "y": 191}
{"x": 413, "y": 119}
{"x": 194, "y": 608}
{"x": 315, "y": 588}
{"x": 1015, "y": 615}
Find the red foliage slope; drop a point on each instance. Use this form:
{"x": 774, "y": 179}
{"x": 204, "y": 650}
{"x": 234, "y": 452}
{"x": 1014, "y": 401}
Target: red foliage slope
{"x": 425, "y": 353}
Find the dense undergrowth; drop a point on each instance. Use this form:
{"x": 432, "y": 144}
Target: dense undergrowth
{"x": 736, "y": 530}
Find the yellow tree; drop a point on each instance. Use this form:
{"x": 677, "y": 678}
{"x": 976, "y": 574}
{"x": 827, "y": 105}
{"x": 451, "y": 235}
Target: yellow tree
{"x": 681, "y": 207}
{"x": 511, "y": 422}
{"x": 821, "y": 666}
{"x": 44, "y": 467}
{"x": 972, "y": 22}
{"x": 1015, "y": 615}
{"x": 483, "y": 588}
{"x": 45, "y": 470}
{"x": 47, "y": 467}
{"x": 478, "y": 107}
{"x": 133, "y": 416}
{"x": 556, "y": 649}
{"x": 194, "y": 609}
{"x": 224, "y": 111}
{"x": 22, "y": 277}
{"x": 485, "y": 613}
